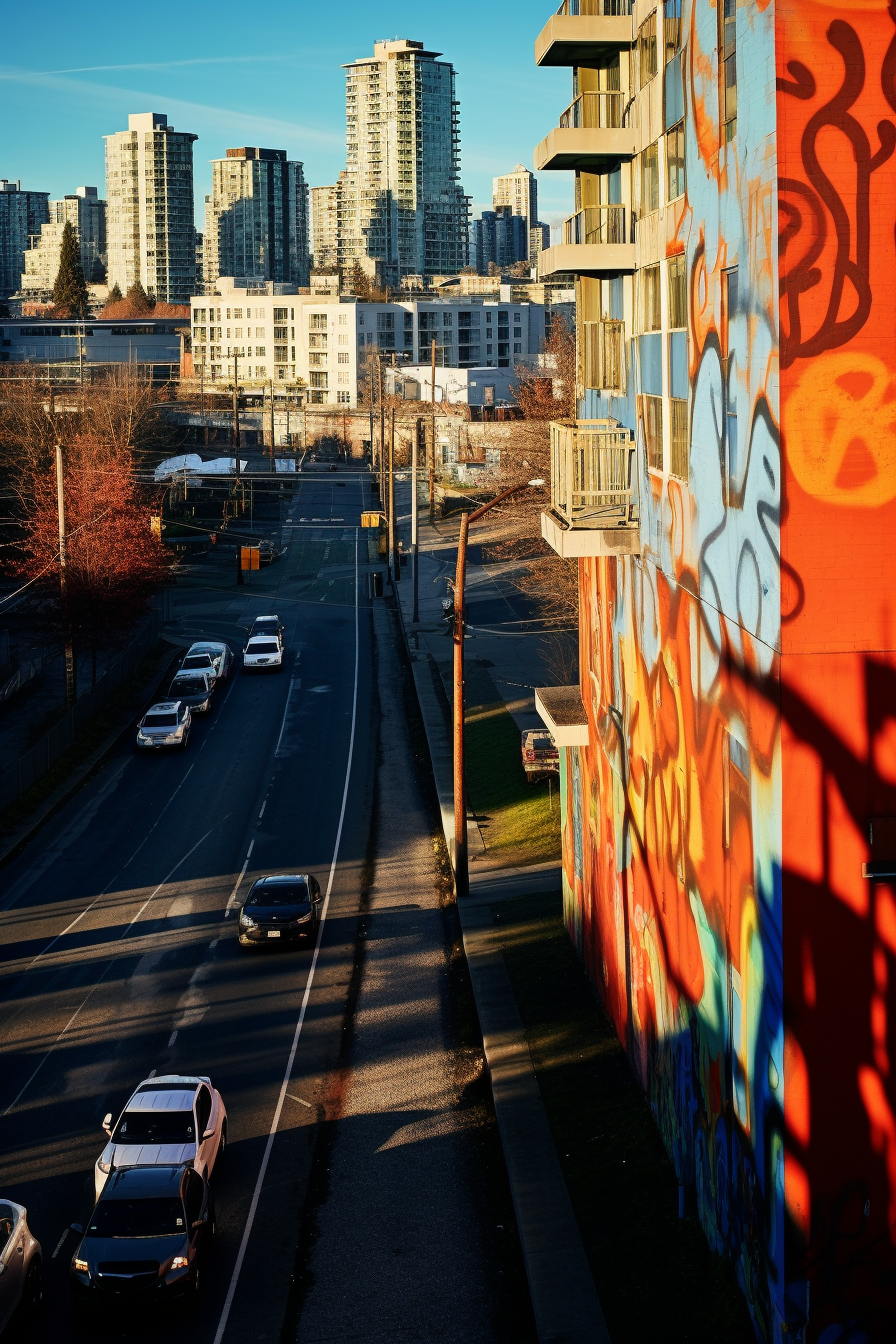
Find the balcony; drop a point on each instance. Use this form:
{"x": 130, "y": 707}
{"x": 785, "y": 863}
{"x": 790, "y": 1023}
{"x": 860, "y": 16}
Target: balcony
{"x": 594, "y": 487}
{"x": 591, "y": 135}
{"x": 597, "y": 241}
{"x": 585, "y": 32}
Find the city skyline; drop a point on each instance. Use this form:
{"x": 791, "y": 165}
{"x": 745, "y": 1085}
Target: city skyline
{"x": 56, "y": 115}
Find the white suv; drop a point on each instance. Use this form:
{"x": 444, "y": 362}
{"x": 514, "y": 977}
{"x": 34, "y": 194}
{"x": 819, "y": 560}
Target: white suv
{"x": 263, "y": 651}
{"x": 165, "y": 725}
{"x": 168, "y": 1121}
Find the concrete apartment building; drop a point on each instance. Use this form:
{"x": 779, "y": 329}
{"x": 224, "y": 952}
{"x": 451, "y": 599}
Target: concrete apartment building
{"x": 323, "y": 341}
{"x": 499, "y": 238}
{"x": 519, "y": 190}
{"x": 325, "y": 226}
{"x": 21, "y": 215}
{"x": 256, "y": 219}
{"x": 86, "y": 213}
{"x": 149, "y": 222}
{"x": 728, "y": 492}
{"x": 403, "y": 210}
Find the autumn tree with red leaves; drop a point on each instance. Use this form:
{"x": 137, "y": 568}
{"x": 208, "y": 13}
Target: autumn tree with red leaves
{"x": 114, "y": 562}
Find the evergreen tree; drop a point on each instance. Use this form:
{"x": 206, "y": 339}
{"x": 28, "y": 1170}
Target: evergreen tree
{"x": 70, "y": 289}
{"x": 115, "y": 295}
{"x": 139, "y": 299}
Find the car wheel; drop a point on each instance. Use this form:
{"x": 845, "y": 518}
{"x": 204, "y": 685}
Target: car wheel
{"x": 34, "y": 1288}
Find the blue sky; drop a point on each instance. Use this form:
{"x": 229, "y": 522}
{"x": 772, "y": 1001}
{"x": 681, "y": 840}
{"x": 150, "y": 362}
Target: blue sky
{"x": 267, "y": 75}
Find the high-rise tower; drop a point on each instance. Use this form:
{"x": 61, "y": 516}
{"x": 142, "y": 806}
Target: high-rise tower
{"x": 408, "y": 212}
{"x": 149, "y": 192}
{"x": 256, "y": 219}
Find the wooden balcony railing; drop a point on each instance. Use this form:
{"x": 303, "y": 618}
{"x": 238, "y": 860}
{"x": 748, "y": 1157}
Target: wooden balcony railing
{"x": 597, "y": 224}
{"x": 593, "y": 474}
{"x": 595, "y": 111}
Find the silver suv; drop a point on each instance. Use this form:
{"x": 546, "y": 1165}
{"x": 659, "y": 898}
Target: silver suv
{"x": 167, "y": 724}
{"x": 20, "y": 1276}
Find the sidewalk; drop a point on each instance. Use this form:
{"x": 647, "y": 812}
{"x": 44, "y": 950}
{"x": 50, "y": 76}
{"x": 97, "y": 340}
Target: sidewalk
{"x": 561, "y": 1286}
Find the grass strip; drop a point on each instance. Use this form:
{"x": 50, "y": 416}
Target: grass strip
{"x": 520, "y": 822}
{"x": 655, "y": 1275}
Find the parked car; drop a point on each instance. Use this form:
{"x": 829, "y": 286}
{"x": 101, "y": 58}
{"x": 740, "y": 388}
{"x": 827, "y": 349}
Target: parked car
{"x": 199, "y": 662}
{"x": 194, "y": 689}
{"x": 166, "y": 724}
{"x": 263, "y": 651}
{"x": 20, "y": 1263}
{"x": 285, "y": 909}
{"x": 267, "y": 625}
{"x": 145, "y": 1240}
{"x": 540, "y": 754}
{"x": 219, "y": 653}
{"x": 170, "y": 1119}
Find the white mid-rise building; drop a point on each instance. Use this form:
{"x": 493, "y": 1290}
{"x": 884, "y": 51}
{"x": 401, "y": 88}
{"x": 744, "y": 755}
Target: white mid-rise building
{"x": 87, "y": 215}
{"x": 519, "y": 190}
{"x": 324, "y": 342}
{"x": 404, "y": 211}
{"x": 325, "y": 226}
{"x": 149, "y": 223}
{"x": 256, "y": 218}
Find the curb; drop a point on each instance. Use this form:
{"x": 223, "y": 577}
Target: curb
{"x": 69, "y": 787}
{"x": 564, "y": 1299}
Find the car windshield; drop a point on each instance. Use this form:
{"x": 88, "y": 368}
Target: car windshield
{"x": 187, "y": 686}
{"x": 138, "y": 1218}
{"x": 155, "y": 1127}
{"x": 265, "y": 623}
{"x": 264, "y": 646}
{"x": 543, "y": 743}
{"x": 279, "y": 893}
{"x": 196, "y": 660}
{"x": 166, "y": 720}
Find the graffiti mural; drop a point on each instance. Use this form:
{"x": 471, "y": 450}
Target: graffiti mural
{"x": 739, "y": 677}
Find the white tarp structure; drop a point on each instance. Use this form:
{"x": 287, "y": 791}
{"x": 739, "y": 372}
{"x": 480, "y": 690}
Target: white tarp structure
{"x": 174, "y": 466}
{"x": 285, "y": 463}
{"x": 222, "y": 466}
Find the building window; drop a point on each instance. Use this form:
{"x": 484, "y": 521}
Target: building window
{"x": 318, "y": 379}
{"x": 650, "y": 179}
{"x": 678, "y": 293}
{"x": 260, "y": 352}
{"x": 517, "y": 347}
{"x": 678, "y": 438}
{"x": 728, "y": 65}
{"x": 671, "y": 28}
{"x": 651, "y": 311}
{"x": 675, "y": 176}
{"x": 344, "y": 398}
{"x": 605, "y": 355}
{"x": 342, "y": 357}
{"x": 647, "y": 54}
{"x": 317, "y": 321}
{"x": 652, "y": 414}
{"x": 343, "y": 340}
{"x": 280, "y": 314}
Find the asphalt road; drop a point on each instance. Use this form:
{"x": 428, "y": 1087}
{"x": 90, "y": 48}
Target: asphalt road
{"x": 118, "y": 956}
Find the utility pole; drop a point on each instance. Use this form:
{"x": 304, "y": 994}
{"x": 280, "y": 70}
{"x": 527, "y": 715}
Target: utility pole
{"x": 273, "y": 464}
{"x": 415, "y": 614}
{"x": 70, "y": 690}
{"x": 236, "y": 418}
{"x": 432, "y": 445}
{"x": 393, "y": 555}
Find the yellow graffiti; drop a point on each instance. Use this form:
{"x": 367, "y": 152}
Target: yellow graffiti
{"x": 840, "y": 430}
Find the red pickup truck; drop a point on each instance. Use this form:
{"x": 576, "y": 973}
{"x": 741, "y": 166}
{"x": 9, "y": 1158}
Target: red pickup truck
{"x": 540, "y": 754}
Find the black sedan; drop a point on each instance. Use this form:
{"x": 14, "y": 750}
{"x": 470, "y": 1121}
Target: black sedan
{"x": 283, "y": 909}
{"x": 194, "y": 689}
{"x": 146, "y": 1239}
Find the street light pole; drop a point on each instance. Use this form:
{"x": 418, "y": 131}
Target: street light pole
{"x": 461, "y": 863}
{"x": 63, "y": 584}
{"x": 415, "y": 614}
{"x": 236, "y": 419}
{"x": 393, "y": 566}
{"x": 273, "y": 464}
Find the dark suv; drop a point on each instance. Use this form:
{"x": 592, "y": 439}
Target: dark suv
{"x": 146, "y": 1238}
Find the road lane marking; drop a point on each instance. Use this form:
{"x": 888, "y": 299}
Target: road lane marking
{"x": 233, "y": 901}
{"x": 295, "y": 684}
{"x": 60, "y": 1243}
{"x": 124, "y": 933}
{"x": 300, "y": 1101}
{"x": 263, "y": 806}
{"x": 241, "y": 1254}
{"x": 171, "y": 1039}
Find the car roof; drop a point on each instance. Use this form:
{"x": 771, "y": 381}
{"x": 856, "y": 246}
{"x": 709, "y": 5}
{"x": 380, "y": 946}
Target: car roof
{"x": 166, "y": 1097}
{"x": 203, "y": 646}
{"x": 280, "y": 877}
{"x": 257, "y": 639}
{"x": 165, "y": 706}
{"x": 190, "y": 672}
{"x": 126, "y": 1182}
{"x": 266, "y": 618}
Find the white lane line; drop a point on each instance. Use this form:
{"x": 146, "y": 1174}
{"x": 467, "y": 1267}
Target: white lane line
{"x": 241, "y": 1254}
{"x": 294, "y": 685}
{"x": 263, "y": 806}
{"x": 60, "y": 1243}
{"x": 233, "y": 901}
{"x": 124, "y": 933}
{"x": 300, "y": 1101}
{"x": 171, "y": 1039}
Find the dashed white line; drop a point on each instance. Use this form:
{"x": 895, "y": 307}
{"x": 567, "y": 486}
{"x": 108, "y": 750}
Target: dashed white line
{"x": 171, "y": 1039}
{"x": 60, "y": 1243}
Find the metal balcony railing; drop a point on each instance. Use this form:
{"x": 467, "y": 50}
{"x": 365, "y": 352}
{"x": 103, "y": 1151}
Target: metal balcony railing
{"x": 596, "y": 8}
{"x": 593, "y": 474}
{"x": 595, "y": 111}
{"x": 597, "y": 224}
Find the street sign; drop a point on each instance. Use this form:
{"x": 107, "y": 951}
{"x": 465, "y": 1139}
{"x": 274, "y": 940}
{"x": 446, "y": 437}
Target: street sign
{"x": 249, "y": 557}
{"x": 155, "y": 523}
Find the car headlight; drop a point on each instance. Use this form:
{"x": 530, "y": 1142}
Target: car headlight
{"x": 302, "y": 919}
{"x": 79, "y": 1265}
{"x": 180, "y": 1262}
{"x": 104, "y": 1166}
{"x": 247, "y": 922}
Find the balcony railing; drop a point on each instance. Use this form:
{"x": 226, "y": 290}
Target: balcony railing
{"x": 593, "y": 474}
{"x": 595, "y": 8}
{"x": 597, "y": 224}
{"x": 595, "y": 111}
